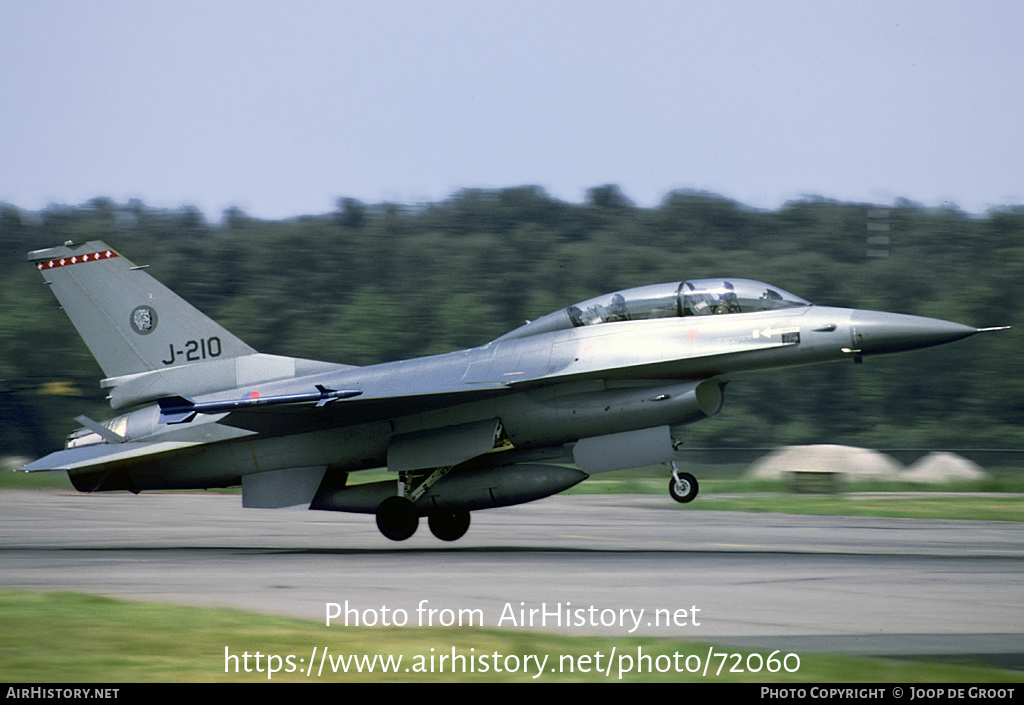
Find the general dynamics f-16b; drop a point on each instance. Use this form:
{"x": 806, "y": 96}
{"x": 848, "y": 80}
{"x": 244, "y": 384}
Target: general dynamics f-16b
{"x": 594, "y": 387}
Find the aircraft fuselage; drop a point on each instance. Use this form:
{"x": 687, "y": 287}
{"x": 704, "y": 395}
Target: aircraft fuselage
{"x": 556, "y": 388}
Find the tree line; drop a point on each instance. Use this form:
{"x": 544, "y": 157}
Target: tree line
{"x": 368, "y": 283}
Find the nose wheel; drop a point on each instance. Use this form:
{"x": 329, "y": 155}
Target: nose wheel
{"x": 683, "y": 486}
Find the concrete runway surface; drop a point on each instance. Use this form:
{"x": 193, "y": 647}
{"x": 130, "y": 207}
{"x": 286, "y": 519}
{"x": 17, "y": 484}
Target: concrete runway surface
{"x": 576, "y": 564}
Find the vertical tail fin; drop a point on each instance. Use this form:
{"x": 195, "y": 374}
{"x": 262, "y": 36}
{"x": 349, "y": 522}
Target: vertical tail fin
{"x": 131, "y": 322}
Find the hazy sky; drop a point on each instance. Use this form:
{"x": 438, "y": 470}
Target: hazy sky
{"x": 280, "y": 108}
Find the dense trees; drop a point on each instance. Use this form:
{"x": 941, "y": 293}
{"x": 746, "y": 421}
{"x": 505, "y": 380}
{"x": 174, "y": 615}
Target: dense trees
{"x": 374, "y": 282}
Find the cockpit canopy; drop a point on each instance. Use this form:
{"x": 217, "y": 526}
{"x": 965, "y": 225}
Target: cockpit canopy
{"x": 696, "y": 297}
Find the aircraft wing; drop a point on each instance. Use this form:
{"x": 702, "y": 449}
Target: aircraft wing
{"x": 369, "y": 405}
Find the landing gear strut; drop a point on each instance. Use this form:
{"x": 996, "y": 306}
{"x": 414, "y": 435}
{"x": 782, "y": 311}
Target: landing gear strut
{"x": 683, "y": 486}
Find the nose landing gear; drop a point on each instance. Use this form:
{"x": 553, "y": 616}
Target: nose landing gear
{"x": 683, "y": 486}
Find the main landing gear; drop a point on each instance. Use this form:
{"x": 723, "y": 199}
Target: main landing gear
{"x": 449, "y": 524}
{"x": 683, "y": 486}
{"x": 398, "y": 518}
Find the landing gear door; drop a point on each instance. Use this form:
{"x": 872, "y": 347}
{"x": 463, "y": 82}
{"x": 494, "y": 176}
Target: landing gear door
{"x": 616, "y": 451}
{"x": 442, "y": 447}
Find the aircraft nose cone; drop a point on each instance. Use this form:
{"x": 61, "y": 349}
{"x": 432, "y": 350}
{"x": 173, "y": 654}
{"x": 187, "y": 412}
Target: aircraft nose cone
{"x": 875, "y": 332}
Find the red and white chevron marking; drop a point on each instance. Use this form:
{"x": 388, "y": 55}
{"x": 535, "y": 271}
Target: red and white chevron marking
{"x": 76, "y": 259}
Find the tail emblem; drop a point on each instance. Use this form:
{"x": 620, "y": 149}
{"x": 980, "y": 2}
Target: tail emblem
{"x": 143, "y": 320}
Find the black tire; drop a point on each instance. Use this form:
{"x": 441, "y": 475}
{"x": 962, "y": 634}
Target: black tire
{"x": 685, "y": 489}
{"x": 449, "y": 524}
{"x": 397, "y": 518}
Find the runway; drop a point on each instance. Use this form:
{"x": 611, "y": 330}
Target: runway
{"x": 617, "y": 565}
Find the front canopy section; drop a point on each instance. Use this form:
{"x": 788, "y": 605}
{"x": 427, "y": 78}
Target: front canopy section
{"x": 696, "y": 297}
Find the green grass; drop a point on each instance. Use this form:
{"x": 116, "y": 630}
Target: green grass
{"x": 999, "y": 498}
{"x": 69, "y": 637}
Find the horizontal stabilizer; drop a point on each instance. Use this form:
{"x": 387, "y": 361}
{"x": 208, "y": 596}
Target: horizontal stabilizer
{"x": 174, "y": 410}
{"x": 102, "y": 453}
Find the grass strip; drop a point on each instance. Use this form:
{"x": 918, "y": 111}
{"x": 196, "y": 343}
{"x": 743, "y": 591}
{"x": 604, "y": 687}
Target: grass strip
{"x": 64, "y": 637}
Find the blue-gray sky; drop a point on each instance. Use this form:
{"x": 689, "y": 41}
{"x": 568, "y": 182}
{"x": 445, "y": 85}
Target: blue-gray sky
{"x": 281, "y": 108}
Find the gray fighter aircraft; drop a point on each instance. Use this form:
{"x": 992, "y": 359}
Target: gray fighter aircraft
{"x": 599, "y": 385}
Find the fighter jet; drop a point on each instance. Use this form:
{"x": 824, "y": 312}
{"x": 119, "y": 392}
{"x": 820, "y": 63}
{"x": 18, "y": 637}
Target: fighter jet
{"x": 597, "y": 386}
